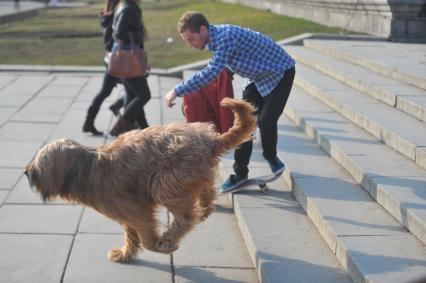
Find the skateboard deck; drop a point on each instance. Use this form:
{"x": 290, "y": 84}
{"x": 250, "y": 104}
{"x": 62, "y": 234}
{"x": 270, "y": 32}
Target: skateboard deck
{"x": 261, "y": 182}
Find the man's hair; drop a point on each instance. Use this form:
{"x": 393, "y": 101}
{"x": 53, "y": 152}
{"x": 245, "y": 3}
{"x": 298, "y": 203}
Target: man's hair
{"x": 192, "y": 21}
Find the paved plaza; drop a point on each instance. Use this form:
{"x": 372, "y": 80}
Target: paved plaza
{"x": 68, "y": 243}
{"x": 350, "y": 207}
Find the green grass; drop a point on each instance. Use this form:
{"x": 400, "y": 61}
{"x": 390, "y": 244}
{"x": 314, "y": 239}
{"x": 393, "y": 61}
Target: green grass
{"x": 72, "y": 36}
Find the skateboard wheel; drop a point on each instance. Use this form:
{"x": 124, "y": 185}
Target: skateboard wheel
{"x": 264, "y": 187}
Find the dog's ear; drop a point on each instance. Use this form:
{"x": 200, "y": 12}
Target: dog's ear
{"x": 34, "y": 181}
{"x": 69, "y": 177}
{"x": 31, "y": 174}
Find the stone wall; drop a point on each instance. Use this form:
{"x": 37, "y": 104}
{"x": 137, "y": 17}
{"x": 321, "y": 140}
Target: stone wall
{"x": 403, "y": 20}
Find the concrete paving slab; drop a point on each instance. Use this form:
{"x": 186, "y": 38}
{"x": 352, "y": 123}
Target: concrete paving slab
{"x": 407, "y": 202}
{"x": 378, "y": 86}
{"x": 25, "y": 86}
{"x": 416, "y": 105}
{"x": 47, "y": 110}
{"x": 60, "y": 91}
{"x": 17, "y": 154}
{"x": 381, "y": 80}
{"x": 152, "y": 113}
{"x": 94, "y": 83}
{"x": 398, "y": 202}
{"x": 9, "y": 177}
{"x": 50, "y": 219}
{"x": 382, "y": 57}
{"x": 299, "y": 247}
{"x": 346, "y": 209}
{"x": 13, "y": 101}
{"x": 23, "y": 194}
{"x": 398, "y": 130}
{"x": 380, "y": 258}
{"x": 70, "y": 80}
{"x": 297, "y": 99}
{"x": 33, "y": 258}
{"x": 6, "y": 80}
{"x": 91, "y": 250}
{"x": 71, "y": 125}
{"x": 421, "y": 156}
{"x": 311, "y": 156}
{"x": 26, "y": 131}
{"x": 94, "y": 222}
{"x": 154, "y": 83}
{"x": 6, "y": 112}
{"x": 186, "y": 274}
{"x": 3, "y": 195}
{"x": 316, "y": 201}
{"x": 225, "y": 249}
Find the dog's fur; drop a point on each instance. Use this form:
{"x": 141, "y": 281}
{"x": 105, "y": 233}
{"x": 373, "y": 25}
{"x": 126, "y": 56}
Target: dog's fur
{"x": 130, "y": 179}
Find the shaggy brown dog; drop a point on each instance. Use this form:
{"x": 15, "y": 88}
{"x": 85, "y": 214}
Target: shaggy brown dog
{"x": 130, "y": 179}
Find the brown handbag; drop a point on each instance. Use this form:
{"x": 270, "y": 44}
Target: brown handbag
{"x": 127, "y": 63}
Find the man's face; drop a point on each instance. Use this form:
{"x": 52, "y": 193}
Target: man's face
{"x": 196, "y": 40}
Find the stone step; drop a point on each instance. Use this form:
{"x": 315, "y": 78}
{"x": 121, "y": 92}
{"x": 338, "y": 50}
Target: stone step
{"x": 280, "y": 238}
{"x": 400, "y": 61}
{"x": 392, "y": 180}
{"x": 369, "y": 243}
{"x": 395, "y": 128}
{"x": 410, "y": 99}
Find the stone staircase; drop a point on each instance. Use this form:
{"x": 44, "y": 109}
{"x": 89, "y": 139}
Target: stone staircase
{"x": 354, "y": 141}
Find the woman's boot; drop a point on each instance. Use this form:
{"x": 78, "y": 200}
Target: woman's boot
{"x": 89, "y": 126}
{"x": 115, "y": 107}
{"x": 122, "y": 125}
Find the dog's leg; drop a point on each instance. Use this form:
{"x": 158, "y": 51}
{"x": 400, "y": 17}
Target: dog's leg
{"x": 185, "y": 215}
{"x": 207, "y": 196}
{"x": 147, "y": 226}
{"x": 130, "y": 248}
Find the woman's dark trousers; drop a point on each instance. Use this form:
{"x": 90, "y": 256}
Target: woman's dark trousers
{"x": 108, "y": 84}
{"x": 138, "y": 94}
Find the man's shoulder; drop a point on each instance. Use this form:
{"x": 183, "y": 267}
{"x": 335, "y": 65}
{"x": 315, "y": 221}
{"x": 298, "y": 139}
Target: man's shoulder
{"x": 228, "y": 31}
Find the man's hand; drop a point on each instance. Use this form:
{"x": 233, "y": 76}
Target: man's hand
{"x": 170, "y": 97}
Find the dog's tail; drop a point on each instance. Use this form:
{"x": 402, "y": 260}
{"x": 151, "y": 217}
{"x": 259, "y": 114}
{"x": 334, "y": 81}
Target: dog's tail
{"x": 241, "y": 131}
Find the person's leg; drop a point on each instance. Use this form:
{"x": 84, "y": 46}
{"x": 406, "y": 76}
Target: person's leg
{"x": 134, "y": 109}
{"x": 138, "y": 94}
{"x": 273, "y": 107}
{"x": 115, "y": 107}
{"x": 108, "y": 84}
{"x": 243, "y": 153}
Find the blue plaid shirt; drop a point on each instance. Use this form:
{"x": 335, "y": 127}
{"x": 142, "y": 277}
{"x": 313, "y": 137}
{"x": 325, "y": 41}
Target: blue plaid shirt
{"x": 250, "y": 54}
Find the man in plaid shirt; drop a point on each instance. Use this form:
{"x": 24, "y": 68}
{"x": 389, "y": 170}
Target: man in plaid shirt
{"x": 269, "y": 71}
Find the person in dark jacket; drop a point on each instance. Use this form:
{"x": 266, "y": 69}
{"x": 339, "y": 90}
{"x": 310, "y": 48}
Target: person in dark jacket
{"x": 109, "y": 82}
{"x": 128, "y": 24}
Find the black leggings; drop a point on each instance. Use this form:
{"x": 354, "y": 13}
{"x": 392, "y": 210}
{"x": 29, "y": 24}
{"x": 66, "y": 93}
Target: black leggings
{"x": 108, "y": 85}
{"x": 138, "y": 94}
{"x": 269, "y": 110}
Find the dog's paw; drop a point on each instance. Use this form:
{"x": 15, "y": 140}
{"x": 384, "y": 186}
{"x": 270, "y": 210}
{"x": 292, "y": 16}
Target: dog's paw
{"x": 165, "y": 246}
{"x": 117, "y": 255}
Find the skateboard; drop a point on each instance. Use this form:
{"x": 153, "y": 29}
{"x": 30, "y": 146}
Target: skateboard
{"x": 261, "y": 182}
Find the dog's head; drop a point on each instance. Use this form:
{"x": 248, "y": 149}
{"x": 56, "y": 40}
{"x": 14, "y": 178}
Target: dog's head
{"x": 56, "y": 168}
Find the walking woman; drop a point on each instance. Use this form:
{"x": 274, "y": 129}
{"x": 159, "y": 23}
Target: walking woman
{"x": 109, "y": 82}
{"x": 127, "y": 26}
